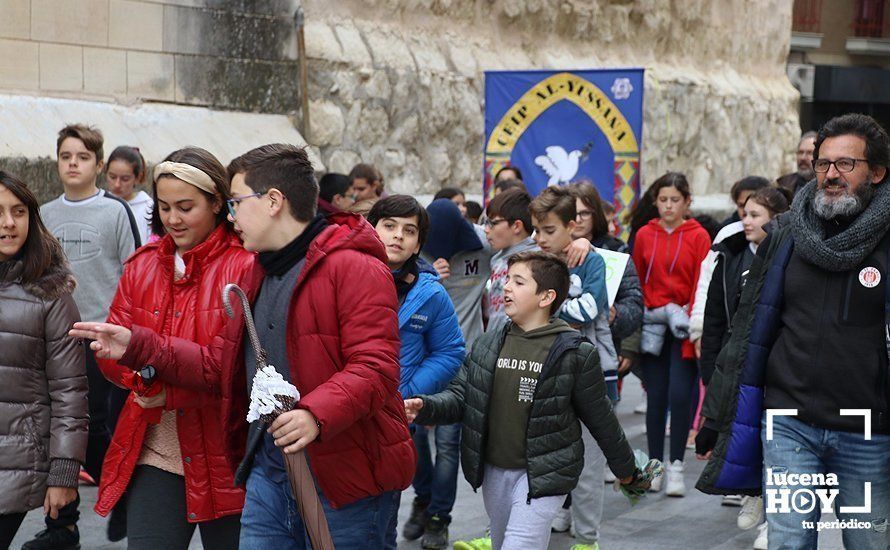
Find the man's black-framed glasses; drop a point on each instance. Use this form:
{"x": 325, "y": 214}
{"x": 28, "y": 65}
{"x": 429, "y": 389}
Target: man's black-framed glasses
{"x": 843, "y": 165}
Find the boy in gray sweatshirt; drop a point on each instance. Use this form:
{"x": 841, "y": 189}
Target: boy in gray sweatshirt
{"x": 98, "y": 233}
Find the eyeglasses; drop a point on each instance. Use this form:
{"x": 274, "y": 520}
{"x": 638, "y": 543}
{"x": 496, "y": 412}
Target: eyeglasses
{"x": 235, "y": 201}
{"x": 491, "y": 223}
{"x": 843, "y": 165}
{"x": 583, "y": 215}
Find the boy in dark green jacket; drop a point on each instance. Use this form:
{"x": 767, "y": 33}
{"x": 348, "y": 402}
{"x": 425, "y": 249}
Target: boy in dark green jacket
{"x": 520, "y": 394}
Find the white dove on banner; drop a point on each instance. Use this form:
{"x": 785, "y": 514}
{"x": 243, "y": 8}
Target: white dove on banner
{"x": 560, "y": 166}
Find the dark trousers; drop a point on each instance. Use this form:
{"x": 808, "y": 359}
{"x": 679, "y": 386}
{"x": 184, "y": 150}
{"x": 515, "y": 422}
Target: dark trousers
{"x": 105, "y": 403}
{"x": 9, "y": 526}
{"x": 669, "y": 381}
{"x": 157, "y": 516}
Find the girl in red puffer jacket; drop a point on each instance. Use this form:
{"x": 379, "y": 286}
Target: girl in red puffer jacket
{"x": 168, "y": 452}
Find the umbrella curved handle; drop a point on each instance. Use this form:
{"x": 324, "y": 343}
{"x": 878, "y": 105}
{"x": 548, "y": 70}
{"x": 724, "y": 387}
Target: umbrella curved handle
{"x": 258, "y": 350}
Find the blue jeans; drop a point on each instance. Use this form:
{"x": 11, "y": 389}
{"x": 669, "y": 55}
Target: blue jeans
{"x": 271, "y": 518}
{"x": 798, "y": 448}
{"x": 437, "y": 484}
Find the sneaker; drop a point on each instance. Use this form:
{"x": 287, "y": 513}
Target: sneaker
{"x": 414, "y": 527}
{"x": 609, "y": 477}
{"x": 732, "y": 500}
{"x": 641, "y": 408}
{"x": 655, "y": 486}
{"x": 751, "y": 513}
{"x": 563, "y": 521}
{"x": 59, "y": 538}
{"x": 84, "y": 478}
{"x": 435, "y": 536}
{"x": 482, "y": 543}
{"x": 761, "y": 543}
{"x": 676, "y": 487}
{"x": 594, "y": 546}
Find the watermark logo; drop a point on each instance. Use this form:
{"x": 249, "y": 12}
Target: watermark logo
{"x": 801, "y": 493}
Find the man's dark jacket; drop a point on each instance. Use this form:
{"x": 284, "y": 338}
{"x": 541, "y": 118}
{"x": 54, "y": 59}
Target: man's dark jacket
{"x": 734, "y": 403}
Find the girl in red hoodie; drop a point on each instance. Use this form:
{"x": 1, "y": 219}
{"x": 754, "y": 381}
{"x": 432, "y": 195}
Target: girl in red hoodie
{"x": 667, "y": 253}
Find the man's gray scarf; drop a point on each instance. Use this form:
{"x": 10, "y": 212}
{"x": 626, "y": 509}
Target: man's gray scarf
{"x": 847, "y": 249}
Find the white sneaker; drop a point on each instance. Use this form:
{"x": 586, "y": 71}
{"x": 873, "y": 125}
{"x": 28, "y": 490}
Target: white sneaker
{"x": 563, "y": 520}
{"x": 676, "y": 487}
{"x": 732, "y": 500}
{"x": 655, "y": 485}
{"x": 751, "y": 513}
{"x": 761, "y": 543}
{"x": 641, "y": 408}
{"x": 609, "y": 477}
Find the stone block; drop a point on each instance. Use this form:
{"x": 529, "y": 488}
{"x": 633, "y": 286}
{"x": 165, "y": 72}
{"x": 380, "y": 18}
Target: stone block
{"x": 150, "y": 76}
{"x": 326, "y": 123}
{"x": 104, "y": 71}
{"x": 81, "y": 22}
{"x": 245, "y": 85}
{"x": 228, "y": 34}
{"x": 19, "y": 65}
{"x": 389, "y": 50}
{"x": 321, "y": 42}
{"x": 342, "y": 160}
{"x": 16, "y": 19}
{"x": 354, "y": 49}
{"x": 136, "y": 25}
{"x": 61, "y": 67}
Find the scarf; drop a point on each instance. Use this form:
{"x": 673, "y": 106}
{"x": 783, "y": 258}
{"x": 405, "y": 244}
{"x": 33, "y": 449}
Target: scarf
{"x": 399, "y": 275}
{"x": 846, "y": 249}
{"x": 279, "y": 262}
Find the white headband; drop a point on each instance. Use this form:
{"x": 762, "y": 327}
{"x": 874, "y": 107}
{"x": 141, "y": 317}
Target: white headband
{"x": 187, "y": 173}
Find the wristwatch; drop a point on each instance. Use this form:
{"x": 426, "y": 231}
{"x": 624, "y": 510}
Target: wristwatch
{"x": 147, "y": 373}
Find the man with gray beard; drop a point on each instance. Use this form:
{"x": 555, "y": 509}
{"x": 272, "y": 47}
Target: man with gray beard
{"x": 811, "y": 337}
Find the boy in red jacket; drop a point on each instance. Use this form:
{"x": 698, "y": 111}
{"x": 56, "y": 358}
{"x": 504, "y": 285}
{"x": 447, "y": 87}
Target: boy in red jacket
{"x": 326, "y": 315}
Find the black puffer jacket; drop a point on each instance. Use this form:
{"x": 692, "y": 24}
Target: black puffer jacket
{"x": 570, "y": 388}
{"x": 629, "y": 300}
{"x": 723, "y": 299}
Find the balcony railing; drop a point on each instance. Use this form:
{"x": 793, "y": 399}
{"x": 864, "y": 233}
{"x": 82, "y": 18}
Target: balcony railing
{"x": 868, "y": 19}
{"x": 806, "y": 16}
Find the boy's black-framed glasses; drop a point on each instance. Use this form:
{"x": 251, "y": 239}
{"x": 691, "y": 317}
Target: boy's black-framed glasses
{"x": 235, "y": 201}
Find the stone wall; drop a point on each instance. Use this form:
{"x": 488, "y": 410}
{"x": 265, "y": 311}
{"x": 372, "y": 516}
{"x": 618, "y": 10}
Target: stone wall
{"x": 399, "y": 82}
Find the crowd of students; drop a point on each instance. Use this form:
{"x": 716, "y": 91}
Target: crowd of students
{"x": 397, "y": 323}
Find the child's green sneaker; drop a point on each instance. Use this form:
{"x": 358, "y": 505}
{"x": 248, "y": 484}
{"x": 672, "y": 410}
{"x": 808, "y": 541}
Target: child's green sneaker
{"x": 482, "y": 543}
{"x": 594, "y": 546}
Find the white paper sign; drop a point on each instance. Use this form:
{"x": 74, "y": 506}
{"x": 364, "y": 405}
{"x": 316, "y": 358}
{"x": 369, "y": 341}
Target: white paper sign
{"x": 616, "y": 262}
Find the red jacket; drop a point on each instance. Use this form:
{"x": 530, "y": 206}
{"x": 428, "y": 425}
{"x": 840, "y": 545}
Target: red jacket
{"x": 669, "y": 265}
{"x": 191, "y": 309}
{"x": 343, "y": 350}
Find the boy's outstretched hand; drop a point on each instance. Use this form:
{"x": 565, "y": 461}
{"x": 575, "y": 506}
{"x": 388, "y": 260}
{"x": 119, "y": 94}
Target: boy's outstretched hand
{"x": 412, "y": 407}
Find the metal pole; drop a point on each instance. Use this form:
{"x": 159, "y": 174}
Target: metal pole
{"x": 299, "y": 21}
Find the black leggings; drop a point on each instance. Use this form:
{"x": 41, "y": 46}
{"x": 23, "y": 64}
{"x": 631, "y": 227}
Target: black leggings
{"x": 156, "y": 515}
{"x": 669, "y": 381}
{"x": 9, "y": 526}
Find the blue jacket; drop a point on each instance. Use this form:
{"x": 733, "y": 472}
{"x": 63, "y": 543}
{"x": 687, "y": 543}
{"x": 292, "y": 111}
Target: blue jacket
{"x": 432, "y": 344}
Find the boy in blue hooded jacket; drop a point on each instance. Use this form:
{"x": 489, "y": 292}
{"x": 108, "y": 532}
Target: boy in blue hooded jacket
{"x": 431, "y": 354}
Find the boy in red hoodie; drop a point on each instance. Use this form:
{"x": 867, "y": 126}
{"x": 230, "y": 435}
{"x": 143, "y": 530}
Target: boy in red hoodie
{"x": 667, "y": 253}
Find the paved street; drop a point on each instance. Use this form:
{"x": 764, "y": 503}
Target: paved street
{"x": 696, "y": 521}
